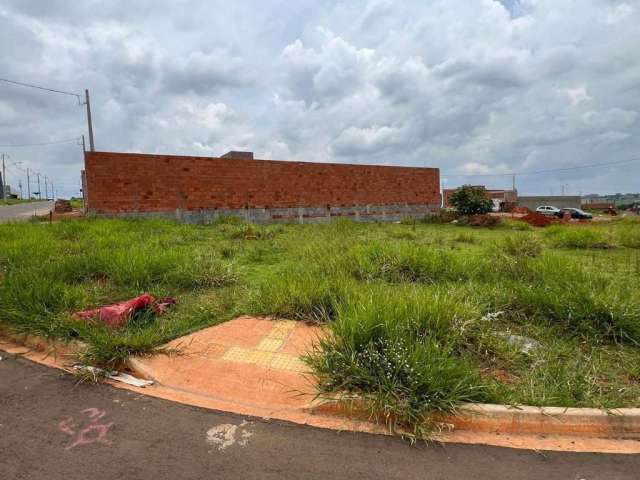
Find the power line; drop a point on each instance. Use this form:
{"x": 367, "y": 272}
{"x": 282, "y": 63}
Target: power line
{"x": 77, "y": 95}
{"x": 551, "y": 170}
{"x": 40, "y": 144}
{"x": 22, "y": 84}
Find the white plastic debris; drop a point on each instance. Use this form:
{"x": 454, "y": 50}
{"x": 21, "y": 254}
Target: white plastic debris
{"x": 131, "y": 380}
{"x": 491, "y": 316}
{"x": 117, "y": 376}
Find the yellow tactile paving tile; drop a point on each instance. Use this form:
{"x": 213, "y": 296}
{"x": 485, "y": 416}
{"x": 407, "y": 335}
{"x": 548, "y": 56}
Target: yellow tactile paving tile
{"x": 281, "y": 329}
{"x": 245, "y": 355}
{"x": 270, "y": 344}
{"x": 282, "y": 361}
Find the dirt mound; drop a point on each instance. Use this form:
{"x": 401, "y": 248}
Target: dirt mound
{"x": 537, "y": 219}
{"x": 62, "y": 206}
{"x": 524, "y": 210}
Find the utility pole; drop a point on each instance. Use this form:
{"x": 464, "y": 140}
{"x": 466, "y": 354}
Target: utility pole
{"x": 39, "y": 192}
{"x": 513, "y": 183}
{"x": 91, "y": 146}
{"x": 84, "y": 147}
{"x": 28, "y": 186}
{"x": 46, "y": 191}
{"x": 53, "y": 192}
{"x": 20, "y": 186}
{"x": 3, "y": 180}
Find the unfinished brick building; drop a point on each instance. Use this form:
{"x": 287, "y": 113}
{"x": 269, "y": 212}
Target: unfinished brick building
{"x": 200, "y": 189}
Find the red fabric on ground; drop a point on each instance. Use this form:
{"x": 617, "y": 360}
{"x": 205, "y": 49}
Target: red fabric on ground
{"x": 119, "y": 314}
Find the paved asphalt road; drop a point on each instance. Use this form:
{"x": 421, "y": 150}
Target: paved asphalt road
{"x": 53, "y": 428}
{"x": 24, "y": 211}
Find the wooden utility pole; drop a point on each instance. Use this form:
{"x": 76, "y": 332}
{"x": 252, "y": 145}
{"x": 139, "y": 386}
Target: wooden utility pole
{"x": 46, "y": 190}
{"x": 3, "y": 180}
{"x": 91, "y": 145}
{"x": 28, "y": 185}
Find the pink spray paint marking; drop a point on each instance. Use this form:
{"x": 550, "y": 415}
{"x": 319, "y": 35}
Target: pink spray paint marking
{"x": 93, "y": 432}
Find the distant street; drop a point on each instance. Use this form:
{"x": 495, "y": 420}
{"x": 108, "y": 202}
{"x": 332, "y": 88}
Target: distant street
{"x": 53, "y": 428}
{"x": 24, "y": 211}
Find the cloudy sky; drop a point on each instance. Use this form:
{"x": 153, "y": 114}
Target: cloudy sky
{"x": 474, "y": 87}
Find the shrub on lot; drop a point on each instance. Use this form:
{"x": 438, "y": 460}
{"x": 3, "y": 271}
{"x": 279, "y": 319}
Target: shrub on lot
{"x": 470, "y": 200}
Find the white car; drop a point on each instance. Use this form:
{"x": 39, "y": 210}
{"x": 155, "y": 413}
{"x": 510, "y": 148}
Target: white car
{"x": 549, "y": 210}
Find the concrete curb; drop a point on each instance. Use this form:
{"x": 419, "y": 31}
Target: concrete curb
{"x": 620, "y": 423}
{"x": 40, "y": 344}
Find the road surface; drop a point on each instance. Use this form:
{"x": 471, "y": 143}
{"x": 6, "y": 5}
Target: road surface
{"x": 52, "y": 427}
{"x": 24, "y": 211}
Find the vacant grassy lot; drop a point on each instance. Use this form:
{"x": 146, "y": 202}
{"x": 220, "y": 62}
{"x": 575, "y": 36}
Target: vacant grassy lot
{"x": 423, "y": 316}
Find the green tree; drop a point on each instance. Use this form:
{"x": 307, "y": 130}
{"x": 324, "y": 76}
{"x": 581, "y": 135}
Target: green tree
{"x": 470, "y": 200}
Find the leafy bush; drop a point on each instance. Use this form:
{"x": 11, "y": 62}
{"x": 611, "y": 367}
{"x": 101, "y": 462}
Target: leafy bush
{"x": 470, "y": 200}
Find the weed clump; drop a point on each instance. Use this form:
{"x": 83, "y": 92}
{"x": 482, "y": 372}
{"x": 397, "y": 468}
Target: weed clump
{"x": 398, "y": 357}
{"x": 578, "y": 237}
{"x": 521, "y": 245}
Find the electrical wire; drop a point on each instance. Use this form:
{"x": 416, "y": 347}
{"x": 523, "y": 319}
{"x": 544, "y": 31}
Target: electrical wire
{"x": 42, "y": 144}
{"x": 551, "y": 170}
{"x": 22, "y": 84}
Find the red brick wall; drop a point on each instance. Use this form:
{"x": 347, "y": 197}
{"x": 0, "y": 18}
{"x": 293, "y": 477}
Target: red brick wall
{"x": 125, "y": 182}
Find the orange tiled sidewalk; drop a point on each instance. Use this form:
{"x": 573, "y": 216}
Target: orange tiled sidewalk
{"x": 247, "y": 361}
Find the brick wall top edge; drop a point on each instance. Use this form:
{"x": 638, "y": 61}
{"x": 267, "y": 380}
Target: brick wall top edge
{"x": 99, "y": 154}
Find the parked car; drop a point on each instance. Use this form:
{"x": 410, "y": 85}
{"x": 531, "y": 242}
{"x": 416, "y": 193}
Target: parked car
{"x": 549, "y": 210}
{"x": 577, "y": 213}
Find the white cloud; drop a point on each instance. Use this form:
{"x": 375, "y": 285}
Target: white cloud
{"x": 358, "y": 141}
{"x": 472, "y": 88}
{"x": 619, "y": 13}
{"x": 577, "y": 95}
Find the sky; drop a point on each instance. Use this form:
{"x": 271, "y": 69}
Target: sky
{"x": 479, "y": 87}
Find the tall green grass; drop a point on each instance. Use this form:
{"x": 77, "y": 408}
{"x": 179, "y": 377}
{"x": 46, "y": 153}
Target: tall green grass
{"x": 420, "y": 315}
{"x": 579, "y": 237}
{"x": 397, "y": 354}
{"x": 49, "y": 272}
